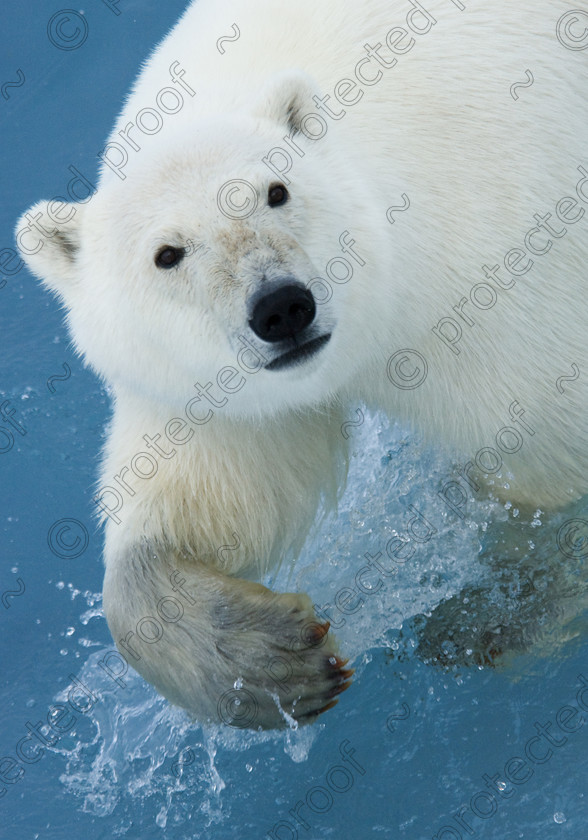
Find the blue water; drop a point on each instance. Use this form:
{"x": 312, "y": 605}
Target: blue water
{"x": 406, "y": 747}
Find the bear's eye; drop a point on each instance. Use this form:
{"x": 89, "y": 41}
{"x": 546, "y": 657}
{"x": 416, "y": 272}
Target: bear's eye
{"x": 168, "y": 256}
{"x": 277, "y": 194}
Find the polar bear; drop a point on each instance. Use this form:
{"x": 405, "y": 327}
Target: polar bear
{"x": 303, "y": 207}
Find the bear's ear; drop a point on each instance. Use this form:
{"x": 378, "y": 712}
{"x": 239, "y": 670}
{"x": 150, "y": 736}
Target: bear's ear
{"x": 287, "y": 98}
{"x": 47, "y": 236}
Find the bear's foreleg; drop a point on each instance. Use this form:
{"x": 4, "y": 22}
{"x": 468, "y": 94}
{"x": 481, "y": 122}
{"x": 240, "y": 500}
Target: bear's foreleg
{"x": 223, "y": 648}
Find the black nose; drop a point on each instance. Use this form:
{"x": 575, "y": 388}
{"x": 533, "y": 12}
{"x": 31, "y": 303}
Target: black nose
{"x": 283, "y": 313}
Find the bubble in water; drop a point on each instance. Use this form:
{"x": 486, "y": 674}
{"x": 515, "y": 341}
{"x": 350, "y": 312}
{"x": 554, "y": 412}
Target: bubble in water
{"x": 161, "y": 818}
{"x": 559, "y": 817}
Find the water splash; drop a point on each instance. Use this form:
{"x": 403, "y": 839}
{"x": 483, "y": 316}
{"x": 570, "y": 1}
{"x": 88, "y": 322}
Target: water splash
{"x": 135, "y": 754}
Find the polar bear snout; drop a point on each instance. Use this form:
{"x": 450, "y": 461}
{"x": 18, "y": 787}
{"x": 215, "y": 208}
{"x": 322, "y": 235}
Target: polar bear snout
{"x": 283, "y": 315}
{"x": 283, "y": 312}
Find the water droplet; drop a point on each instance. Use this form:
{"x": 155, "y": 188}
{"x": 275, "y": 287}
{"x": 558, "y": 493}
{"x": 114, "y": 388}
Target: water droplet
{"x": 238, "y": 683}
{"x": 559, "y": 817}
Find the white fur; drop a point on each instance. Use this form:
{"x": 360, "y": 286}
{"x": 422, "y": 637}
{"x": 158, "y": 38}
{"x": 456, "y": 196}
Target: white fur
{"x": 441, "y": 127}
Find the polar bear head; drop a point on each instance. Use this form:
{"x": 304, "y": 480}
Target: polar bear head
{"x": 201, "y": 264}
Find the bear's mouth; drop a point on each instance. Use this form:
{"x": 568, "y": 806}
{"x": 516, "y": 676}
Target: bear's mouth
{"x": 299, "y": 354}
